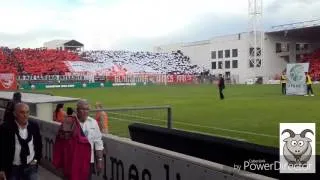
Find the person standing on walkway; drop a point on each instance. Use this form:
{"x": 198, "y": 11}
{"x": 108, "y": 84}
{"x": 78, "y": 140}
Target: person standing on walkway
{"x": 20, "y": 146}
{"x": 91, "y": 130}
{"x": 8, "y": 114}
{"x": 102, "y": 119}
{"x": 70, "y": 144}
{"x": 59, "y": 115}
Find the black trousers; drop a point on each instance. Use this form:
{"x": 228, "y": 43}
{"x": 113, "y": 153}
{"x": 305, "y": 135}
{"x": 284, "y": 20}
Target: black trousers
{"x": 92, "y": 171}
{"x": 309, "y": 89}
{"x": 283, "y": 89}
{"x": 221, "y": 92}
{"x": 28, "y": 172}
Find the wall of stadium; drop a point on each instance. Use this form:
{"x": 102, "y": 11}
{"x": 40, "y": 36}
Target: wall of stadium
{"x": 274, "y": 63}
{"x": 237, "y": 58}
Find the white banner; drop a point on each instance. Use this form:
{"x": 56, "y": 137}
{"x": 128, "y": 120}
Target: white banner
{"x": 296, "y": 84}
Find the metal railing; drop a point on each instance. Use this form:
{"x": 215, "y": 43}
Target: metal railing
{"x": 120, "y": 118}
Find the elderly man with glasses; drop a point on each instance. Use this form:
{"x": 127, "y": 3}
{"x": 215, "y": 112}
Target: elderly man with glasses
{"x": 91, "y": 130}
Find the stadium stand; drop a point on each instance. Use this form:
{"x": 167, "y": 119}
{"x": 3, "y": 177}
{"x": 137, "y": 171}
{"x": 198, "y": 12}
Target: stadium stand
{"x": 7, "y": 64}
{"x": 136, "y": 62}
{"x": 43, "y": 61}
{"x": 314, "y": 60}
{"x": 46, "y": 61}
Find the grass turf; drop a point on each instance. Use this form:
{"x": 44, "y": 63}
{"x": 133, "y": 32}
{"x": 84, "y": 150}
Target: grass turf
{"x": 250, "y": 113}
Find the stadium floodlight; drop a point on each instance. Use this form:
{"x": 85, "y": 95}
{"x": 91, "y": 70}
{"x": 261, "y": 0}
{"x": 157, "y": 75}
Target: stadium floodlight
{"x": 255, "y": 35}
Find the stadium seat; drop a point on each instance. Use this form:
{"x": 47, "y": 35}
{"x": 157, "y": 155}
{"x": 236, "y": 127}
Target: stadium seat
{"x": 314, "y": 60}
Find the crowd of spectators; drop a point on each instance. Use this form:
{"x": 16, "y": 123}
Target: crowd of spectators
{"x": 314, "y": 60}
{"x": 42, "y": 61}
{"x": 7, "y": 62}
{"x": 47, "y": 61}
{"x": 137, "y": 62}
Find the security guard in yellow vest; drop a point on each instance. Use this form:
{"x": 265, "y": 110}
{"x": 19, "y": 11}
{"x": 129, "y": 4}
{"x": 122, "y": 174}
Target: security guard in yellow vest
{"x": 309, "y": 84}
{"x": 283, "y": 83}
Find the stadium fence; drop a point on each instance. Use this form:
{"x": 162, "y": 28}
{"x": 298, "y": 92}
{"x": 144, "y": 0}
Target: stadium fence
{"x": 121, "y": 118}
{"x": 145, "y": 78}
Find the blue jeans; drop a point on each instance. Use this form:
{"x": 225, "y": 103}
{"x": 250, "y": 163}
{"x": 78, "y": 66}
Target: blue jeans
{"x": 30, "y": 172}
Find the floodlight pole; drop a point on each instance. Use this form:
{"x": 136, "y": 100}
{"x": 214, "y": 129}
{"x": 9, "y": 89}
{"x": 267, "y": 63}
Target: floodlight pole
{"x": 255, "y": 36}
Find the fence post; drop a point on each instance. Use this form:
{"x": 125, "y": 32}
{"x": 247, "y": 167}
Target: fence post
{"x": 169, "y": 120}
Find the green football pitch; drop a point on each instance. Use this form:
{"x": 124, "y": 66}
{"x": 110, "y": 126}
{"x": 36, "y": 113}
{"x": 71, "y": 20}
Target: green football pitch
{"x": 248, "y": 113}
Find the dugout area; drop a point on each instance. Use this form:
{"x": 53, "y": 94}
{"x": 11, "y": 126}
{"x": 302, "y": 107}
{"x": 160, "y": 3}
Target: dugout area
{"x": 41, "y": 105}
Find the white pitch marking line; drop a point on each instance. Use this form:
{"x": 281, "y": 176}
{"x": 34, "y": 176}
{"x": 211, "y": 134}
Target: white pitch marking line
{"x": 124, "y": 120}
{"x": 217, "y": 128}
{"x": 230, "y": 130}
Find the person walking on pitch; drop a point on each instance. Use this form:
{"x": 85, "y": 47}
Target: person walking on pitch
{"x": 221, "y": 86}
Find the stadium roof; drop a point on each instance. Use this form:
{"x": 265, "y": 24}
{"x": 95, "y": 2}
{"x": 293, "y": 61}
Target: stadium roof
{"x": 37, "y": 98}
{"x": 308, "y": 30}
{"x": 65, "y": 42}
{"x": 57, "y": 41}
{"x": 72, "y": 43}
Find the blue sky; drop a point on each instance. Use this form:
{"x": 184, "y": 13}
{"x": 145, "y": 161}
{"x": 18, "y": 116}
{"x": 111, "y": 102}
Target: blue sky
{"x": 137, "y": 24}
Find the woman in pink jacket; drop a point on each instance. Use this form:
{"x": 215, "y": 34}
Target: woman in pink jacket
{"x": 72, "y": 151}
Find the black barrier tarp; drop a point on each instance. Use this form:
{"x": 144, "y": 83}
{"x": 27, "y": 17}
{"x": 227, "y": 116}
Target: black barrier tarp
{"x": 216, "y": 149}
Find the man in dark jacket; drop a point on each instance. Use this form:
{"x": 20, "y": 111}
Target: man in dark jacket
{"x": 20, "y": 146}
{"x": 221, "y": 86}
{"x": 8, "y": 114}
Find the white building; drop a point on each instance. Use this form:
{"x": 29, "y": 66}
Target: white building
{"x": 229, "y": 55}
{"x": 72, "y": 45}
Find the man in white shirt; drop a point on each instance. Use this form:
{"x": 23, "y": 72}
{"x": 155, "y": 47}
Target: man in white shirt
{"x": 91, "y": 130}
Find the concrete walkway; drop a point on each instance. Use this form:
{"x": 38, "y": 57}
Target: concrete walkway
{"x": 44, "y": 174}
